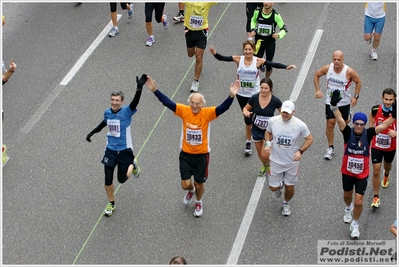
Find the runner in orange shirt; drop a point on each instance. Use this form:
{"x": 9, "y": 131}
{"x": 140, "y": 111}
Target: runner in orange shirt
{"x": 194, "y": 143}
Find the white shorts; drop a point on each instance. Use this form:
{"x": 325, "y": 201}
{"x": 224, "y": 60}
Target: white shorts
{"x": 278, "y": 173}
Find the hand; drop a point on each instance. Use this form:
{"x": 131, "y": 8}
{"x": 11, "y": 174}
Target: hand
{"x": 151, "y": 84}
{"x": 212, "y": 50}
{"x": 335, "y": 98}
{"x": 291, "y": 67}
{"x": 142, "y": 81}
{"x": 234, "y": 87}
{"x": 318, "y": 94}
{"x": 13, "y": 66}
{"x": 88, "y": 137}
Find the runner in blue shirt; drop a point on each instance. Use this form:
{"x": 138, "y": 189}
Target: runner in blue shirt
{"x": 119, "y": 147}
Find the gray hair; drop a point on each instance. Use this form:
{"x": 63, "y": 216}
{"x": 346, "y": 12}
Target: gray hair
{"x": 201, "y": 95}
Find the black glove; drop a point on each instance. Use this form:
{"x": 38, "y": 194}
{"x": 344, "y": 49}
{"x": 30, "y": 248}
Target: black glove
{"x": 88, "y": 136}
{"x": 335, "y": 98}
{"x": 141, "y": 82}
{"x": 393, "y": 111}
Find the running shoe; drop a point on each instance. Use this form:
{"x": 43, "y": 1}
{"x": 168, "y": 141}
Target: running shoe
{"x": 194, "y": 86}
{"x": 188, "y": 197}
{"x": 4, "y": 154}
{"x": 114, "y": 31}
{"x": 376, "y": 202}
{"x": 198, "y": 210}
{"x": 179, "y": 17}
{"x": 348, "y": 214}
{"x": 354, "y": 228}
{"x": 385, "y": 181}
{"x": 150, "y": 41}
{"x": 329, "y": 153}
{"x": 165, "y": 22}
{"x": 263, "y": 170}
{"x": 280, "y": 190}
{"x": 109, "y": 209}
{"x": 373, "y": 54}
{"x": 136, "y": 170}
{"x": 286, "y": 211}
{"x": 130, "y": 11}
{"x": 248, "y": 149}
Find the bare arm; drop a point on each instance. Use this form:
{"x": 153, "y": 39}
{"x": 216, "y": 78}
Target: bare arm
{"x": 304, "y": 147}
{"x": 316, "y": 80}
{"x": 356, "y": 78}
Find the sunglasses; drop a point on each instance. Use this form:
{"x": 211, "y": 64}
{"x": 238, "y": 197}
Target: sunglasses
{"x": 359, "y": 124}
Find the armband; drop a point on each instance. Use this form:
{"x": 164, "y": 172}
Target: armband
{"x": 223, "y": 58}
{"x": 333, "y": 108}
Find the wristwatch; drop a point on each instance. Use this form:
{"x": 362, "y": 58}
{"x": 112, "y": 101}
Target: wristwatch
{"x": 356, "y": 96}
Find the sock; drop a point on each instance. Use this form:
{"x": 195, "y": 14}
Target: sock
{"x": 332, "y": 146}
{"x": 181, "y": 12}
{"x": 285, "y": 202}
{"x": 376, "y": 195}
{"x": 349, "y": 207}
{"x": 200, "y": 201}
{"x": 248, "y": 141}
{"x": 112, "y": 202}
{"x": 195, "y": 80}
{"x": 355, "y": 222}
{"x": 192, "y": 191}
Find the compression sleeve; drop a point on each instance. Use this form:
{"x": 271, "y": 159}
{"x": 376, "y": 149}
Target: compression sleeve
{"x": 224, "y": 106}
{"x": 135, "y": 101}
{"x": 275, "y": 65}
{"x": 165, "y": 100}
{"x": 223, "y": 58}
{"x": 99, "y": 127}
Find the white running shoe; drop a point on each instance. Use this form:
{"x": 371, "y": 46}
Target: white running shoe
{"x": 179, "y": 18}
{"x": 130, "y": 11}
{"x": 248, "y": 149}
{"x": 286, "y": 211}
{"x": 373, "y": 54}
{"x": 165, "y": 22}
{"x": 198, "y": 210}
{"x": 188, "y": 197}
{"x": 354, "y": 228}
{"x": 150, "y": 41}
{"x": 114, "y": 31}
{"x": 194, "y": 86}
{"x": 329, "y": 153}
{"x": 348, "y": 214}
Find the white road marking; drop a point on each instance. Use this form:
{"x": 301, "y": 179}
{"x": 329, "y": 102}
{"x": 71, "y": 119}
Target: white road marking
{"x": 58, "y": 89}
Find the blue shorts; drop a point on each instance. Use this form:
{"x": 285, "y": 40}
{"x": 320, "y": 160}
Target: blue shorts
{"x": 257, "y": 134}
{"x": 371, "y": 23}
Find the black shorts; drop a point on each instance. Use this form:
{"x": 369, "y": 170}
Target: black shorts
{"x": 377, "y": 155}
{"x": 243, "y": 101}
{"x": 349, "y": 181}
{"x": 196, "y": 38}
{"x": 121, "y": 158}
{"x": 345, "y": 110}
{"x": 194, "y": 165}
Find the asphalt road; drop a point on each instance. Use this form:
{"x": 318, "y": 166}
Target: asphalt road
{"x": 53, "y": 195}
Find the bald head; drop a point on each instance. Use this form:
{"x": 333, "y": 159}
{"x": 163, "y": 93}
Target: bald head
{"x": 338, "y": 53}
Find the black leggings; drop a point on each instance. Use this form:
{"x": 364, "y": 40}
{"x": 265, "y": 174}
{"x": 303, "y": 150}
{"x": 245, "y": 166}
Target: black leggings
{"x": 250, "y": 8}
{"x": 113, "y": 6}
{"x": 149, "y": 7}
{"x": 109, "y": 175}
{"x": 242, "y": 101}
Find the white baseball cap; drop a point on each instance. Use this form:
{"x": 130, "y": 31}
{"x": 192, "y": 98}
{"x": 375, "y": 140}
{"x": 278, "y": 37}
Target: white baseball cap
{"x": 288, "y": 106}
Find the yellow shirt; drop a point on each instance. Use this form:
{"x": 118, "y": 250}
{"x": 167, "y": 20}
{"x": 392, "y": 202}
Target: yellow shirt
{"x": 195, "y": 128}
{"x": 196, "y": 15}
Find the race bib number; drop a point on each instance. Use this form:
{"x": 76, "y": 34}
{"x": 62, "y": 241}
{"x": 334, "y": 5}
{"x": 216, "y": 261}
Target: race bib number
{"x": 196, "y": 21}
{"x": 114, "y": 128}
{"x": 261, "y": 121}
{"x": 284, "y": 140}
{"x": 194, "y": 137}
{"x": 265, "y": 30}
{"x": 355, "y": 165}
{"x": 248, "y": 85}
{"x": 383, "y": 141}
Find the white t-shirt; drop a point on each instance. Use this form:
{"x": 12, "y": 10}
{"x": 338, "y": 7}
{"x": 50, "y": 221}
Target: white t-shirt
{"x": 375, "y": 10}
{"x": 288, "y": 137}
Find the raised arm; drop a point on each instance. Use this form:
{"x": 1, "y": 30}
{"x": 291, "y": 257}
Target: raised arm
{"x": 166, "y": 101}
{"x": 137, "y": 95}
